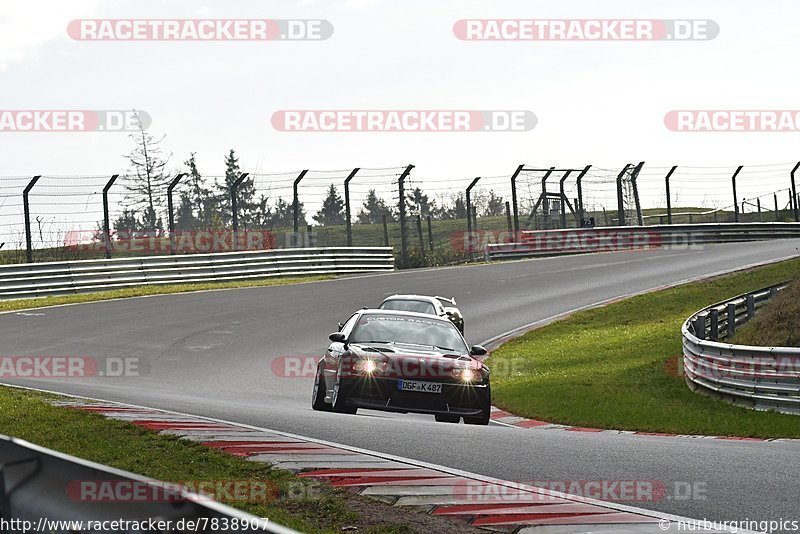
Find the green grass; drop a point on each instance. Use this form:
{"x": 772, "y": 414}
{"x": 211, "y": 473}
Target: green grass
{"x": 24, "y": 304}
{"x": 303, "y": 504}
{"x": 618, "y": 366}
{"x": 777, "y": 323}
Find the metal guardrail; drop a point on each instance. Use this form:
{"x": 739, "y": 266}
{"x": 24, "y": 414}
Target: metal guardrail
{"x": 44, "y": 279}
{"x": 41, "y": 487}
{"x": 756, "y": 377}
{"x": 532, "y": 243}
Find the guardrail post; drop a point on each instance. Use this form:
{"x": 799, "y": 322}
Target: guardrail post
{"x": 27, "y": 212}
{"x": 385, "y": 230}
{"x": 620, "y": 201}
{"x": 731, "y": 319}
{"x": 735, "y": 199}
{"x": 171, "y": 211}
{"x": 106, "y": 219}
{"x": 793, "y": 204}
{"x": 514, "y": 203}
{"x": 669, "y": 197}
{"x": 751, "y": 306}
{"x": 714, "y": 314}
{"x": 430, "y": 234}
{"x": 235, "y": 210}
{"x": 296, "y": 203}
{"x": 700, "y": 326}
{"x": 469, "y": 203}
{"x": 402, "y": 210}
{"x": 579, "y": 207}
{"x": 348, "y": 222}
{"x": 563, "y": 214}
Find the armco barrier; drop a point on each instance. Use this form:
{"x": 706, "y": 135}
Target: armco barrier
{"x": 43, "y": 279}
{"x": 755, "y": 377}
{"x": 605, "y": 239}
{"x": 35, "y": 492}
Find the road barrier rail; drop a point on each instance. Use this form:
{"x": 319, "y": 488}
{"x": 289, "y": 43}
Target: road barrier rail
{"x": 766, "y": 378}
{"x": 59, "y": 278}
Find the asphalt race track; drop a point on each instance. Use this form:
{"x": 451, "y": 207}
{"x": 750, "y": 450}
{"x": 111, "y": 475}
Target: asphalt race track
{"x": 211, "y": 354}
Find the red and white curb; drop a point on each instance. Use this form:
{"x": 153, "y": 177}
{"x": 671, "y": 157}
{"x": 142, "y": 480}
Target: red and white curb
{"x": 509, "y": 419}
{"x": 472, "y": 499}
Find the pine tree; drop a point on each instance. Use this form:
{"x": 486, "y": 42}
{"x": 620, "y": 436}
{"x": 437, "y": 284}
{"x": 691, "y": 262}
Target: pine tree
{"x": 199, "y": 194}
{"x": 184, "y": 216}
{"x": 494, "y": 205}
{"x": 331, "y": 210}
{"x": 419, "y": 204}
{"x": 374, "y": 209}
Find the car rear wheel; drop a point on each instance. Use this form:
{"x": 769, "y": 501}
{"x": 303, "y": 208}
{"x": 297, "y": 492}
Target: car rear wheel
{"x": 440, "y": 418}
{"x": 340, "y": 399}
{"x": 318, "y": 395}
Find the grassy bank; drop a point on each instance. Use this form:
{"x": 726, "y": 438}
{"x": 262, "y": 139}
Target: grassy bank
{"x": 24, "y": 304}
{"x": 777, "y": 324}
{"x": 303, "y": 504}
{"x": 619, "y": 366}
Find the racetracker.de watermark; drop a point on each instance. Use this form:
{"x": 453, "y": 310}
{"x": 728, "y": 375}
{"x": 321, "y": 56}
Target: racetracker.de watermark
{"x": 70, "y": 367}
{"x": 406, "y": 120}
{"x": 741, "y": 120}
{"x": 585, "y": 29}
{"x": 185, "y": 241}
{"x": 72, "y": 120}
{"x": 200, "y": 29}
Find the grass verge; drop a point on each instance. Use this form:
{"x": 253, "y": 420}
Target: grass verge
{"x": 24, "y": 304}
{"x": 777, "y": 323}
{"x": 305, "y": 505}
{"x": 619, "y": 366}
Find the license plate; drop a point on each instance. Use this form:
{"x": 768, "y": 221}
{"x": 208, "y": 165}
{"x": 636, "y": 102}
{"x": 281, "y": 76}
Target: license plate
{"x": 422, "y": 387}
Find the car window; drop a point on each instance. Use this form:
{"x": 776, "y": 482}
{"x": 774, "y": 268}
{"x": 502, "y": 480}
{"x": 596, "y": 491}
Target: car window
{"x": 418, "y": 306}
{"x": 348, "y": 325}
{"x": 413, "y": 330}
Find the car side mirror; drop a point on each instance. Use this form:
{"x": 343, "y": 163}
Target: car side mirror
{"x": 338, "y": 337}
{"x": 477, "y": 350}
{"x": 340, "y": 326}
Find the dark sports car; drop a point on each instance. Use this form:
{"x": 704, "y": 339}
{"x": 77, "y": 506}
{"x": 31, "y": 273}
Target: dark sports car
{"x": 403, "y": 362}
{"x": 438, "y": 306}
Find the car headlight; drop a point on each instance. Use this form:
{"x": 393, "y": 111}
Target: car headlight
{"x": 468, "y": 375}
{"x": 368, "y": 366}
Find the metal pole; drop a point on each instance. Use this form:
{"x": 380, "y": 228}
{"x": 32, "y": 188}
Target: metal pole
{"x": 776, "y": 206}
{"x": 514, "y": 200}
{"x": 27, "y": 210}
{"x": 794, "y": 195}
{"x": 546, "y": 202}
{"x": 296, "y": 203}
{"x": 508, "y": 219}
{"x": 106, "y": 220}
{"x": 475, "y": 217}
{"x": 735, "y": 199}
{"x": 235, "y": 209}
{"x": 563, "y": 199}
{"x": 171, "y": 211}
{"x": 620, "y": 201}
{"x": 634, "y": 176}
{"x": 419, "y": 234}
{"x": 402, "y": 210}
{"x": 758, "y": 206}
{"x": 469, "y": 203}
{"x": 669, "y": 197}
{"x": 580, "y": 194}
{"x": 430, "y": 234}
{"x": 348, "y": 222}
{"x": 385, "y": 230}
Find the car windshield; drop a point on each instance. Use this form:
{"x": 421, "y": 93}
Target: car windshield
{"x": 418, "y": 306}
{"x": 412, "y": 330}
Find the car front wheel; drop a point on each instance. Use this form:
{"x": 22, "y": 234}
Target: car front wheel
{"x": 318, "y": 395}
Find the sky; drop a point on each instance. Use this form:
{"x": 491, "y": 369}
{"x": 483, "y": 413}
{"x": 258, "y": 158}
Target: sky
{"x": 599, "y": 103}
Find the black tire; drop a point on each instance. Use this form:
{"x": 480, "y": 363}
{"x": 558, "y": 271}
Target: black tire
{"x": 340, "y": 399}
{"x": 485, "y": 417}
{"x": 318, "y": 393}
{"x": 442, "y": 418}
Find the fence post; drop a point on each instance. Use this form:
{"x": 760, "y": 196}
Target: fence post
{"x": 402, "y": 210}
{"x": 514, "y": 203}
{"x": 776, "y": 206}
{"x": 27, "y": 210}
{"x": 735, "y": 199}
{"x": 669, "y": 196}
{"x": 235, "y": 209}
{"x": 475, "y": 218}
{"x": 620, "y": 201}
{"x": 758, "y": 206}
{"x": 296, "y": 204}
{"x": 311, "y": 241}
{"x": 419, "y": 234}
{"x": 563, "y": 221}
{"x": 171, "y": 211}
{"x": 469, "y": 204}
{"x": 106, "y": 219}
{"x": 509, "y": 222}
{"x": 430, "y": 234}
{"x": 751, "y": 306}
{"x": 714, "y": 314}
{"x": 348, "y": 222}
{"x": 579, "y": 207}
{"x": 385, "y": 230}
{"x": 793, "y": 204}
{"x": 731, "y": 319}
{"x": 634, "y": 176}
